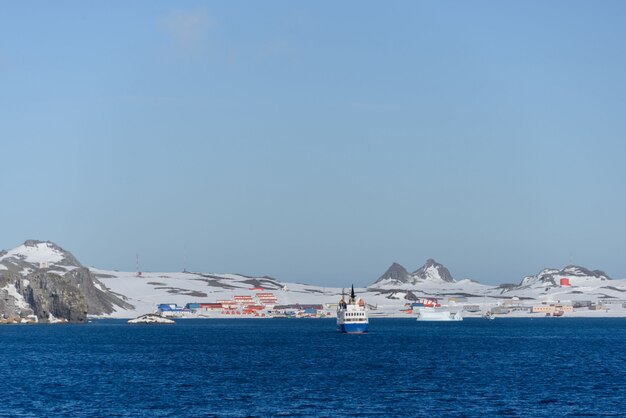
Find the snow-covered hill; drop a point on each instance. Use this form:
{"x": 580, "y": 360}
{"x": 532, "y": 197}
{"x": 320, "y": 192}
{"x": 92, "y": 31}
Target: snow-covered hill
{"x": 576, "y": 275}
{"x": 45, "y": 267}
{"x": 149, "y": 289}
{"x": 33, "y": 255}
{"x": 389, "y": 294}
{"x": 40, "y": 281}
{"x": 584, "y": 285}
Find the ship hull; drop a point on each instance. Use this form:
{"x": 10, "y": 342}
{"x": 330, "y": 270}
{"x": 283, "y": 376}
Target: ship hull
{"x": 353, "y": 328}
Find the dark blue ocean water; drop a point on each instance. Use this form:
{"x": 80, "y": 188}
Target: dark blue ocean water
{"x": 303, "y": 367}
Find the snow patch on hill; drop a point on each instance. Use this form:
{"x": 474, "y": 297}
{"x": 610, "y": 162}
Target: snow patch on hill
{"x": 20, "y": 302}
{"x": 42, "y": 252}
{"x": 577, "y": 276}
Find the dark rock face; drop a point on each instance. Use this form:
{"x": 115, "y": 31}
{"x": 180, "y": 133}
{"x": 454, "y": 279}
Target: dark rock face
{"x": 395, "y": 294}
{"x": 49, "y": 293}
{"x": 395, "y": 272}
{"x": 410, "y": 296}
{"x": 8, "y": 308}
{"x": 266, "y": 283}
{"x": 98, "y": 301}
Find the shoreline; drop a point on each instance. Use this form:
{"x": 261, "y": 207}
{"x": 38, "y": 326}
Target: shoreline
{"x": 412, "y": 317}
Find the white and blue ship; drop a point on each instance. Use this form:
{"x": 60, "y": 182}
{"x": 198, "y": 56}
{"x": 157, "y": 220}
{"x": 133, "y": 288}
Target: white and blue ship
{"x": 352, "y": 315}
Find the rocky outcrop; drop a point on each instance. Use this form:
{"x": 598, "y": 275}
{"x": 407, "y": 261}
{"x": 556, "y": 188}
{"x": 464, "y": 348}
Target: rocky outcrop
{"x": 151, "y": 319}
{"x": 42, "y": 280}
{"x": 99, "y": 300}
{"x": 10, "y": 309}
{"x": 51, "y": 297}
{"x": 430, "y": 272}
{"x": 396, "y": 273}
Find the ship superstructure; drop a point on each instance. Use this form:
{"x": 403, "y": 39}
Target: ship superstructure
{"x": 435, "y": 314}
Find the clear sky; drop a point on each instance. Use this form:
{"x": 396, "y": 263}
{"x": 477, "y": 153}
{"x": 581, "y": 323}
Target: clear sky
{"x": 317, "y": 141}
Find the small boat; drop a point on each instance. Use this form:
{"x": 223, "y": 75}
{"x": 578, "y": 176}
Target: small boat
{"x": 432, "y": 314}
{"x": 489, "y": 315}
{"x": 352, "y": 316}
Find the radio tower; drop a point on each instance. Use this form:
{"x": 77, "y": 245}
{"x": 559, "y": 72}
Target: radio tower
{"x": 137, "y": 266}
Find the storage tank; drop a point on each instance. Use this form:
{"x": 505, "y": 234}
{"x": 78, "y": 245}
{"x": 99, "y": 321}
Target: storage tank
{"x": 565, "y": 282}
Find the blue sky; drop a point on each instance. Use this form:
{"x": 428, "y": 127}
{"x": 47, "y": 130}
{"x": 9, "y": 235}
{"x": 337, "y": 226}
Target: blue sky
{"x": 317, "y": 142}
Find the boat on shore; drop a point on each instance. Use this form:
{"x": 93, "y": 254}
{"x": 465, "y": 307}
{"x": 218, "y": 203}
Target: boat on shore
{"x": 432, "y": 314}
{"x": 352, "y": 317}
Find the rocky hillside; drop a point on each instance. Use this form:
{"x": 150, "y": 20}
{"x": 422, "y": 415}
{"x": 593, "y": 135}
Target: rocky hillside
{"x": 398, "y": 283}
{"x": 575, "y": 274}
{"x": 430, "y": 272}
{"x": 40, "y": 281}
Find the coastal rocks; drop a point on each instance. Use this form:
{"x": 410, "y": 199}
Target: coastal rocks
{"x": 24, "y": 316}
{"x": 151, "y": 319}
{"x": 17, "y": 320}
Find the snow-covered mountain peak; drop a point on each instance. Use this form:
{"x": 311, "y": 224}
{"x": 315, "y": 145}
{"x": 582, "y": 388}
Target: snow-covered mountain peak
{"x": 397, "y": 277}
{"x": 433, "y": 271}
{"x": 38, "y": 254}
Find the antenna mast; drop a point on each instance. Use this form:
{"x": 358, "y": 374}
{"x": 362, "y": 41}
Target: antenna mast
{"x": 137, "y": 266}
